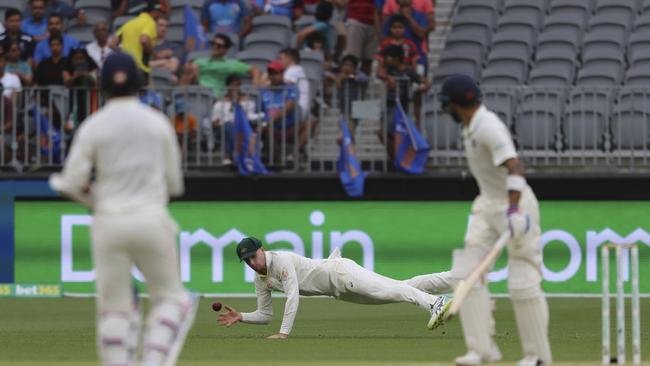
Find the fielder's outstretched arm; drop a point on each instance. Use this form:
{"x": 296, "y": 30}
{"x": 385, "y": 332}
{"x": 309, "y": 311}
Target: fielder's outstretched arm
{"x": 264, "y": 313}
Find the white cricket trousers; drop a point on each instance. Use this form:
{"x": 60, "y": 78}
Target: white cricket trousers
{"x": 354, "y": 283}
{"x": 146, "y": 239}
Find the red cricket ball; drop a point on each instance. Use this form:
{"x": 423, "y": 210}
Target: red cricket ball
{"x": 216, "y": 306}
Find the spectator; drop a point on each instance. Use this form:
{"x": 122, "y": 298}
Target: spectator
{"x": 13, "y": 34}
{"x": 50, "y": 71}
{"x": 226, "y": 16}
{"x": 135, "y": 7}
{"x": 363, "y": 32}
{"x": 223, "y": 117}
{"x": 212, "y": 72}
{"x": 151, "y": 98}
{"x": 295, "y": 74}
{"x": 80, "y": 75}
{"x": 167, "y": 55}
{"x": 99, "y": 49}
{"x": 322, "y": 25}
{"x": 10, "y": 82}
{"x": 63, "y": 9}
{"x": 278, "y": 104}
{"x": 315, "y": 42}
{"x": 399, "y": 79}
{"x": 54, "y": 25}
{"x": 184, "y": 123}
{"x": 138, "y": 36}
{"x": 350, "y": 83}
{"x": 36, "y": 24}
{"x": 398, "y": 25}
{"x": 17, "y": 66}
{"x": 421, "y": 21}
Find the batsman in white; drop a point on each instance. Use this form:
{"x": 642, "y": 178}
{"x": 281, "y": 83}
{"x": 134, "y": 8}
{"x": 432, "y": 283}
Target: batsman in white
{"x": 136, "y": 161}
{"x": 335, "y": 276}
{"x": 505, "y": 203}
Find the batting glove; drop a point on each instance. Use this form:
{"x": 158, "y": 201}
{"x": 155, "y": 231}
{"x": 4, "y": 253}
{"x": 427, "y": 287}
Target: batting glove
{"x": 518, "y": 222}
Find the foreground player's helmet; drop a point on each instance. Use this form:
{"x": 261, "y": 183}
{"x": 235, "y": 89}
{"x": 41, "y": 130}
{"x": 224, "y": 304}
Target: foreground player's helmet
{"x": 119, "y": 75}
{"x": 461, "y": 90}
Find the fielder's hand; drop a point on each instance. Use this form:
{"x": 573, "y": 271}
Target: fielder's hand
{"x": 518, "y": 222}
{"x": 229, "y": 318}
{"x": 278, "y": 336}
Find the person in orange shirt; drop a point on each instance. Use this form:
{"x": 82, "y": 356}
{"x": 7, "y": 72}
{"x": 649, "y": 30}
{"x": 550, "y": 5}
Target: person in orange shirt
{"x": 184, "y": 124}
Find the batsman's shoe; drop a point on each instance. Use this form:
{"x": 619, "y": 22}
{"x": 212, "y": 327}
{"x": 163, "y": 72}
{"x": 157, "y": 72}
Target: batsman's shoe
{"x": 473, "y": 358}
{"x": 439, "y": 310}
{"x": 530, "y": 361}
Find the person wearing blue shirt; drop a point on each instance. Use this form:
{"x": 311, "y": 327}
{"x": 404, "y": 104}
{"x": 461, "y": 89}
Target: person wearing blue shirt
{"x": 54, "y": 25}
{"x": 226, "y": 16}
{"x": 322, "y": 25}
{"x": 35, "y": 24}
{"x": 279, "y": 101}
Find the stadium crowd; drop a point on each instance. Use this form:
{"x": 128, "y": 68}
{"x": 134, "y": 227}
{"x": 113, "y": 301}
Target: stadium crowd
{"x": 57, "y": 43}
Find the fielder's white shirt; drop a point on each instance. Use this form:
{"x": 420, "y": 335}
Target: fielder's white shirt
{"x": 488, "y": 144}
{"x": 294, "y": 275}
{"x": 136, "y": 158}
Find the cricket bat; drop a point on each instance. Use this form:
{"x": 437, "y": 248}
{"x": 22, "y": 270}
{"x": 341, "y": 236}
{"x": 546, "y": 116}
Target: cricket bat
{"x": 464, "y": 286}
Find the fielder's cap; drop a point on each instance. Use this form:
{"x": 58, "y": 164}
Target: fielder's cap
{"x": 247, "y": 247}
{"x": 119, "y": 73}
{"x": 460, "y": 89}
{"x": 275, "y": 66}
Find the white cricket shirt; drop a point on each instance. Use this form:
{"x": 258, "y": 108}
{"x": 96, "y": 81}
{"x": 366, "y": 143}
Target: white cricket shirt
{"x": 488, "y": 144}
{"x": 295, "y": 74}
{"x": 136, "y": 158}
{"x": 294, "y": 275}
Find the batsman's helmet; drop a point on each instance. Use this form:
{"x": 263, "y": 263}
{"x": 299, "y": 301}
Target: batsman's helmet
{"x": 459, "y": 89}
{"x": 119, "y": 75}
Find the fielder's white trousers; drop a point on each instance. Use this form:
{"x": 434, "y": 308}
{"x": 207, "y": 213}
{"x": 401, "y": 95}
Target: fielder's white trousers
{"x": 353, "y": 283}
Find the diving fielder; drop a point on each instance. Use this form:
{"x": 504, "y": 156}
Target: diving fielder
{"x": 136, "y": 161}
{"x": 505, "y": 203}
{"x": 335, "y": 276}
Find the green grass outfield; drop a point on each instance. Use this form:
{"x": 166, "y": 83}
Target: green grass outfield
{"x": 326, "y": 332}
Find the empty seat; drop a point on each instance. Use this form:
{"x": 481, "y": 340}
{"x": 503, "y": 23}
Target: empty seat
{"x": 265, "y": 42}
{"x": 585, "y": 123}
{"x": 455, "y": 68}
{"x": 639, "y": 47}
{"x": 489, "y": 5}
{"x": 443, "y": 133}
{"x": 568, "y": 40}
{"x": 613, "y": 41}
{"x": 638, "y": 76}
{"x": 279, "y": 26}
{"x": 595, "y": 56}
{"x": 616, "y": 6}
{"x": 502, "y": 76}
{"x": 561, "y": 5}
{"x": 481, "y": 22}
{"x": 642, "y": 22}
{"x": 566, "y": 20}
{"x": 466, "y": 34}
{"x": 255, "y": 57}
{"x": 615, "y": 22}
{"x": 630, "y": 123}
{"x": 471, "y": 58}
{"x": 600, "y": 75}
{"x": 538, "y": 5}
{"x": 501, "y": 101}
{"x": 467, "y": 41}
{"x": 537, "y": 125}
{"x": 95, "y": 10}
{"x": 312, "y": 63}
{"x": 558, "y": 59}
{"x": 176, "y": 33}
{"x": 551, "y": 76}
{"x": 644, "y": 7}
{"x": 511, "y": 36}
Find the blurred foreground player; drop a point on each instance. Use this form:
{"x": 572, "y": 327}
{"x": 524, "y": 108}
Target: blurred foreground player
{"x": 335, "y": 276}
{"x": 505, "y": 203}
{"x": 136, "y": 161}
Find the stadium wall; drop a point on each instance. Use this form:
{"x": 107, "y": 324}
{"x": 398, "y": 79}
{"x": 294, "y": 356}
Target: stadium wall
{"x": 404, "y": 227}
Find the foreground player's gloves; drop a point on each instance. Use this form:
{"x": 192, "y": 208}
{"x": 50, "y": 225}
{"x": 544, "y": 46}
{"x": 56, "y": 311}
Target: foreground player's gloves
{"x": 518, "y": 222}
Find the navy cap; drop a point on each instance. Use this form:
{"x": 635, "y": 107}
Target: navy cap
{"x": 460, "y": 89}
{"x": 247, "y": 247}
{"x": 119, "y": 75}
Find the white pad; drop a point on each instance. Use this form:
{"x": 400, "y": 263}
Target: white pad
{"x": 434, "y": 283}
{"x": 531, "y": 313}
{"x": 167, "y": 325}
{"x": 464, "y": 261}
{"x": 522, "y": 274}
{"x": 477, "y": 322}
{"x": 118, "y": 337}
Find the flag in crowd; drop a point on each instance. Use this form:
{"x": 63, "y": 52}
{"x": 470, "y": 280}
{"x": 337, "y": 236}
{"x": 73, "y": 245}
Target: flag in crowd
{"x": 411, "y": 149}
{"x": 247, "y": 148}
{"x": 348, "y": 166}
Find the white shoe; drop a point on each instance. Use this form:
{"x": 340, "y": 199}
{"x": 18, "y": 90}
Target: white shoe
{"x": 472, "y": 358}
{"x": 439, "y": 310}
{"x": 530, "y": 361}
